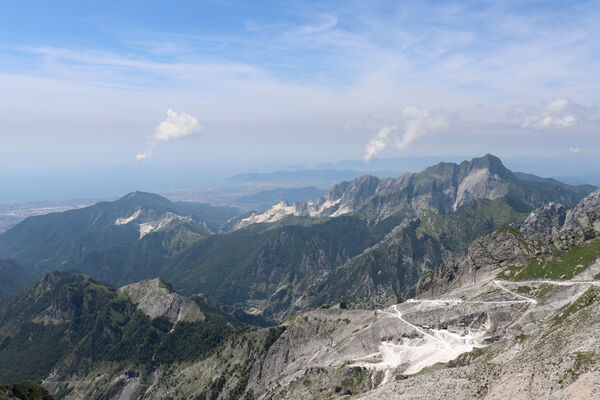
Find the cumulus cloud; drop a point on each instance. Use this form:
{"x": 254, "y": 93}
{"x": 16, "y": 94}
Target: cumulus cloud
{"x": 177, "y": 125}
{"x": 413, "y": 124}
{"x": 560, "y": 113}
{"x": 575, "y": 150}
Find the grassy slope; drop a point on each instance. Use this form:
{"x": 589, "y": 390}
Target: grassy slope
{"x": 561, "y": 265}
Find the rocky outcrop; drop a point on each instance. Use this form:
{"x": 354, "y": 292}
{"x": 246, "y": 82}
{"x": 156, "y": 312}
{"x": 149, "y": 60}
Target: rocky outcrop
{"x": 584, "y": 218}
{"x": 545, "y": 221}
{"x": 157, "y": 299}
{"x": 58, "y": 313}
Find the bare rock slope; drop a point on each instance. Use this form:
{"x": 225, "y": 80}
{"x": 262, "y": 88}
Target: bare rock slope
{"x": 157, "y": 299}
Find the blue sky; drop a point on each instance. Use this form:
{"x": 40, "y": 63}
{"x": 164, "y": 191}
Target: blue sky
{"x": 85, "y": 84}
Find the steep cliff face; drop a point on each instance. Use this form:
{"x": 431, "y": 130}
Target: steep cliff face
{"x": 548, "y": 233}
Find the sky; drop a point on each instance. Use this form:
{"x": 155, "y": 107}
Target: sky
{"x": 224, "y": 86}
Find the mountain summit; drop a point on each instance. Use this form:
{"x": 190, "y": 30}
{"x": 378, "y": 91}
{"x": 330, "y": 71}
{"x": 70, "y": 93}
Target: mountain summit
{"x": 442, "y": 188}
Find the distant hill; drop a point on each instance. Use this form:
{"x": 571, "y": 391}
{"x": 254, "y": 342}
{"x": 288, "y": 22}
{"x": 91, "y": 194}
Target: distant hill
{"x": 59, "y": 240}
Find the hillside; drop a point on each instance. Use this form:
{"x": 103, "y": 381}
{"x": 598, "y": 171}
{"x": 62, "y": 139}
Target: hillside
{"x": 488, "y": 323}
{"x": 278, "y": 268}
{"x": 14, "y": 278}
{"x": 67, "y": 324}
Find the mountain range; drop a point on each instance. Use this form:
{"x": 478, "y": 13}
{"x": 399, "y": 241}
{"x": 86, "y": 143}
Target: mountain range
{"x": 367, "y": 240}
{"x": 488, "y": 299}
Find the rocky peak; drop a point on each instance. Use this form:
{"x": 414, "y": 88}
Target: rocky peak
{"x": 157, "y": 298}
{"x": 489, "y": 162}
{"x": 442, "y": 188}
{"x": 353, "y": 192}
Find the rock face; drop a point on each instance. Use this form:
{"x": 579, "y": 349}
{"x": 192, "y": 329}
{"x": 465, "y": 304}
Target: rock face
{"x": 584, "y": 218}
{"x": 545, "y": 221}
{"x": 157, "y": 299}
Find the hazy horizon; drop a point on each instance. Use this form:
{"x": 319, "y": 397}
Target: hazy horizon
{"x": 102, "y": 182}
{"x": 114, "y": 97}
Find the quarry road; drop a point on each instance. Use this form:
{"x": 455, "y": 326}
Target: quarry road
{"x": 442, "y": 345}
{"x": 398, "y": 315}
{"x": 501, "y": 284}
{"x": 557, "y": 283}
{"x": 498, "y": 283}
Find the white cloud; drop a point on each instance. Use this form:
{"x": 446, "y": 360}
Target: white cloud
{"x": 378, "y": 143}
{"x": 176, "y": 126}
{"x": 560, "y": 113}
{"x": 143, "y": 156}
{"x": 575, "y": 150}
{"x": 415, "y": 123}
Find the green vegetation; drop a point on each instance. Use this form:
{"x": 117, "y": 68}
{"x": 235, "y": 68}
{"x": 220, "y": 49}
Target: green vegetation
{"x": 261, "y": 262}
{"x": 66, "y": 239}
{"x": 586, "y": 299}
{"x": 563, "y": 265}
{"x": 456, "y": 230}
{"x": 273, "y": 335}
{"x": 213, "y": 216}
{"x": 14, "y": 278}
{"x": 544, "y": 289}
{"x": 88, "y": 323}
{"x": 26, "y": 390}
